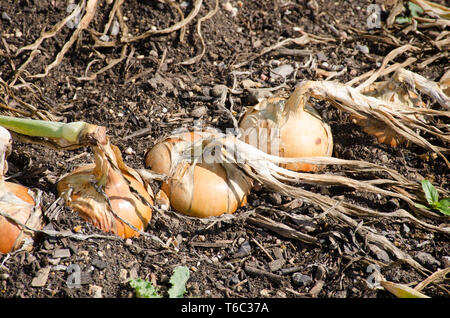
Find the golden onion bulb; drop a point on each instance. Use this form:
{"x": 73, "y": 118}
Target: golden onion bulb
{"x": 288, "y": 128}
{"x": 202, "y": 189}
{"x": 16, "y": 204}
{"x": 109, "y": 194}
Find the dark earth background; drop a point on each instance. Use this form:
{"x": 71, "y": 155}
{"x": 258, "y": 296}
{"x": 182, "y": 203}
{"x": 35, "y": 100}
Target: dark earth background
{"x": 149, "y": 94}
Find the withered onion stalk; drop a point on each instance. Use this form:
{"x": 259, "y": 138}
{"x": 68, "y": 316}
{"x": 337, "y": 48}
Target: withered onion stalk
{"x": 108, "y": 193}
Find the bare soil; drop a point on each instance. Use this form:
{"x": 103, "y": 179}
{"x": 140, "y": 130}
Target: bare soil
{"x": 149, "y": 93}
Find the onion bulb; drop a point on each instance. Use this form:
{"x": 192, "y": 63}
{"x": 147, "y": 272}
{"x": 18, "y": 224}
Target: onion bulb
{"x": 109, "y": 194}
{"x": 194, "y": 188}
{"x": 16, "y": 204}
{"x": 288, "y": 128}
{"x": 399, "y": 97}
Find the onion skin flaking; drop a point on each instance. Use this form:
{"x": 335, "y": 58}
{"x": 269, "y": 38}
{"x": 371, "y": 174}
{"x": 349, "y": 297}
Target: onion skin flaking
{"x": 287, "y": 128}
{"x": 202, "y": 189}
{"x": 17, "y": 202}
{"x": 108, "y": 193}
{"x": 398, "y": 96}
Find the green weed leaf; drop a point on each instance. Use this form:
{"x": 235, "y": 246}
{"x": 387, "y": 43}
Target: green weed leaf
{"x": 144, "y": 289}
{"x": 444, "y": 206}
{"x": 418, "y": 205}
{"x": 431, "y": 193}
{"x": 178, "y": 280}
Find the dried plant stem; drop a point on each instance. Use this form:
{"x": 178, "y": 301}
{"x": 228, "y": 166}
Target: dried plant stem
{"x": 88, "y": 16}
{"x": 352, "y": 101}
{"x": 393, "y": 54}
{"x": 110, "y": 65}
{"x": 304, "y": 39}
{"x": 379, "y": 240}
{"x": 197, "y": 5}
{"x": 198, "y": 57}
{"x": 266, "y": 169}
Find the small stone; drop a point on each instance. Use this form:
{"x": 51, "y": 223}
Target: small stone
{"x": 321, "y": 272}
{"x": 95, "y": 291}
{"x": 129, "y": 151}
{"x": 59, "y": 267}
{"x": 276, "y": 264}
{"x": 53, "y": 261}
{"x": 300, "y": 280}
{"x": 227, "y": 6}
{"x": 199, "y": 112}
{"x": 133, "y": 273}
{"x": 248, "y": 83}
{"x": 128, "y": 242}
{"x": 282, "y": 71}
{"x": 405, "y": 228}
{"x": 321, "y": 56}
{"x": 257, "y": 95}
{"x": 362, "y": 48}
{"x": 426, "y": 259}
{"x": 280, "y": 294}
{"x": 99, "y": 263}
{"x": 217, "y": 90}
{"x": 215, "y": 259}
{"x": 123, "y": 274}
{"x": 61, "y": 253}
{"x": 257, "y": 43}
{"x": 153, "y": 53}
{"x": 6, "y": 17}
{"x": 264, "y": 293}
{"x": 274, "y": 198}
{"x": 244, "y": 250}
{"x": 104, "y": 38}
{"x": 382, "y": 255}
{"x": 278, "y": 253}
{"x": 41, "y": 277}
{"x": 115, "y": 28}
{"x": 234, "y": 280}
{"x": 353, "y": 72}
{"x": 446, "y": 261}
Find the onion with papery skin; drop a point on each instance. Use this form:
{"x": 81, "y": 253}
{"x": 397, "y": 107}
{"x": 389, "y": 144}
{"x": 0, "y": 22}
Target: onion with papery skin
{"x": 16, "y": 204}
{"x": 199, "y": 189}
{"x": 109, "y": 194}
{"x": 288, "y": 128}
{"x": 398, "y": 96}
